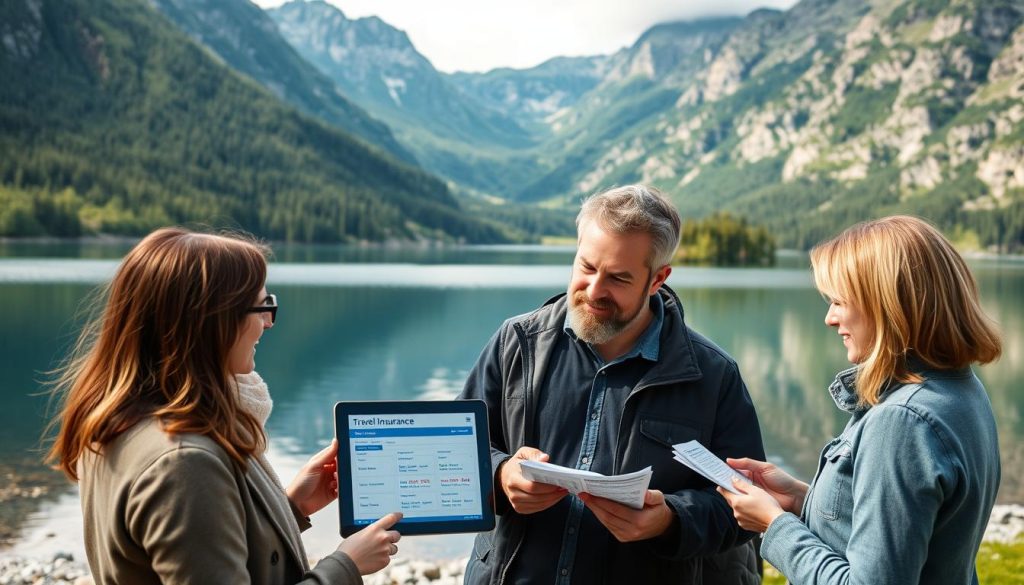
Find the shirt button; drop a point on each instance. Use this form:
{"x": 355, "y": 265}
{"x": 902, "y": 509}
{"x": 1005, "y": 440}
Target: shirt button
{"x": 564, "y": 572}
{"x": 593, "y": 416}
{"x": 572, "y": 530}
{"x": 586, "y": 460}
{"x": 274, "y": 558}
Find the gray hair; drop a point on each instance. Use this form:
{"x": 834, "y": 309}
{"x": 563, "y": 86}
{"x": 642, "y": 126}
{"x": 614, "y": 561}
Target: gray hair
{"x": 636, "y": 208}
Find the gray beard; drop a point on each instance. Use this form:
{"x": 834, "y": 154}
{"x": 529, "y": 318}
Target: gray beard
{"x": 597, "y": 331}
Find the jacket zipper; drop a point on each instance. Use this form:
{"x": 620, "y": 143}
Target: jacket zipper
{"x": 527, "y": 379}
{"x": 527, "y": 353}
{"x": 504, "y": 571}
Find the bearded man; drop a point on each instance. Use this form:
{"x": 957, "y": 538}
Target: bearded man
{"x": 606, "y": 378}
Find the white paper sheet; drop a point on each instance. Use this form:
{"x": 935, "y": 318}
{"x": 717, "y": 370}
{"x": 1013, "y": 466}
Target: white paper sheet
{"x": 628, "y": 489}
{"x": 697, "y": 457}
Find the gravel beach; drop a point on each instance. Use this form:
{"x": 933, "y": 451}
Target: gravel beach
{"x": 1005, "y": 525}
{"x": 63, "y": 569}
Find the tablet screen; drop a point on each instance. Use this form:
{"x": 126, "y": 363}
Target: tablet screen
{"x": 429, "y": 460}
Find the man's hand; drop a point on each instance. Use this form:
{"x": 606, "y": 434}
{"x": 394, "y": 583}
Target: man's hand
{"x": 316, "y": 484}
{"x": 629, "y": 525}
{"x": 527, "y": 497}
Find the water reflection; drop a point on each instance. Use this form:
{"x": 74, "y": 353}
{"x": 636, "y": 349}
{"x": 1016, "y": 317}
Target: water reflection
{"x": 1002, "y": 291}
{"x": 365, "y": 343}
{"x": 787, "y": 357}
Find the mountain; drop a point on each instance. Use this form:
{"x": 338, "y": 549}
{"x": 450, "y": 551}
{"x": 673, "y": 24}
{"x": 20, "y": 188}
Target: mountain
{"x": 832, "y": 112}
{"x": 639, "y": 83}
{"x": 112, "y": 120}
{"x": 809, "y": 119}
{"x": 242, "y": 35}
{"x": 537, "y": 95}
{"x": 376, "y": 66}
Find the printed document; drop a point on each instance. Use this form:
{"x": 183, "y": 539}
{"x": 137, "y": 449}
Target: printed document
{"x": 628, "y": 489}
{"x": 696, "y": 456}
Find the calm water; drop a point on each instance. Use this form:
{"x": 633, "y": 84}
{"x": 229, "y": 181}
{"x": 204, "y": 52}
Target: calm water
{"x": 358, "y": 323}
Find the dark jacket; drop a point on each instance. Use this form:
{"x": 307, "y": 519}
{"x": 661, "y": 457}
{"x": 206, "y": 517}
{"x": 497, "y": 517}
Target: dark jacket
{"x": 693, "y": 392}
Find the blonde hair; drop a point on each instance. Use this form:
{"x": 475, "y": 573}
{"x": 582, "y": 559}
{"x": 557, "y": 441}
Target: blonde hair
{"x": 160, "y": 347}
{"x": 916, "y": 293}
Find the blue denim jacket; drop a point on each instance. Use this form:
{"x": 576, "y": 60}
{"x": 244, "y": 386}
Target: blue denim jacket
{"x": 903, "y": 495}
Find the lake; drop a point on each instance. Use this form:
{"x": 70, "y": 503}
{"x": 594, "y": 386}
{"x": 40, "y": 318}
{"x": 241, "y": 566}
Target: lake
{"x": 380, "y": 323}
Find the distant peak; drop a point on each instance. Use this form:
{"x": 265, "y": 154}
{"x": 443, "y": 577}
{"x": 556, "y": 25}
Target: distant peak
{"x": 315, "y": 6}
{"x": 765, "y": 13}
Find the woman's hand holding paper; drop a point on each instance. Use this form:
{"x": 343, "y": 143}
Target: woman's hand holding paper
{"x": 788, "y": 491}
{"x": 774, "y": 492}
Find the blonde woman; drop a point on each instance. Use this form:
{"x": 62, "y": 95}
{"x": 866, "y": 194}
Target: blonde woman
{"x": 903, "y": 495}
{"x": 162, "y": 424}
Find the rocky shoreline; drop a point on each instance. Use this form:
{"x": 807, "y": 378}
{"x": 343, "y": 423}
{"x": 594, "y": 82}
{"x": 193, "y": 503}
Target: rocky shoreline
{"x": 63, "y": 569}
{"x": 25, "y": 485}
{"x": 1006, "y": 524}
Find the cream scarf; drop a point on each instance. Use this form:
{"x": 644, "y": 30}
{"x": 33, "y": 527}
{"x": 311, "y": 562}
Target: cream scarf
{"x": 254, "y": 396}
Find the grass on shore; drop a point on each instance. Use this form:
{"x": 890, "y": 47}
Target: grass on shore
{"x": 998, "y": 564}
{"x": 1001, "y": 564}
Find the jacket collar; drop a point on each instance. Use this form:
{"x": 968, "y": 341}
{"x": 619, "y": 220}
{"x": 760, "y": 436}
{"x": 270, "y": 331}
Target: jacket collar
{"x": 677, "y": 359}
{"x": 844, "y": 388}
{"x": 274, "y": 501}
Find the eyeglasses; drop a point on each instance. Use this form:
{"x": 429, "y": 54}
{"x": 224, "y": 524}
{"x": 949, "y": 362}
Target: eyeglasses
{"x": 269, "y": 306}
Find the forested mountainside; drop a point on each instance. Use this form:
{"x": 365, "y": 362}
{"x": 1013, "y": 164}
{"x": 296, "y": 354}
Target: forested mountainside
{"x": 247, "y": 40}
{"x": 114, "y": 121}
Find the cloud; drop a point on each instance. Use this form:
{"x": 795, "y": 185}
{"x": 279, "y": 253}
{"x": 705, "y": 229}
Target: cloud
{"x": 478, "y": 35}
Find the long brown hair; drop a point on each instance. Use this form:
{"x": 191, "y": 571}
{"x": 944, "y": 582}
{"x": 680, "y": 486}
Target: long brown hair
{"x": 160, "y": 347}
{"x": 916, "y": 292}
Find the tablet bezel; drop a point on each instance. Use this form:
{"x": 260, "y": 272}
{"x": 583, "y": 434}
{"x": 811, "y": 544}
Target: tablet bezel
{"x": 346, "y": 504}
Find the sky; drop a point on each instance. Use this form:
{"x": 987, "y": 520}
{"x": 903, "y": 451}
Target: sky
{"x": 479, "y": 35}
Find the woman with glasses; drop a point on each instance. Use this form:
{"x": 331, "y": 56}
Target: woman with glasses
{"x": 904, "y": 493}
{"x": 162, "y": 424}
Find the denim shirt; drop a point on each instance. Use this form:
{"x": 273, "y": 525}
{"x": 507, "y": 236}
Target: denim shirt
{"x": 903, "y": 495}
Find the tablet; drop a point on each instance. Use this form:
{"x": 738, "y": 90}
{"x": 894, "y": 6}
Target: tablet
{"x": 428, "y": 459}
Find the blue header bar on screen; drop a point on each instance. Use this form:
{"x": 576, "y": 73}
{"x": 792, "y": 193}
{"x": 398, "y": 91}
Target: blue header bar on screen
{"x": 413, "y": 432}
